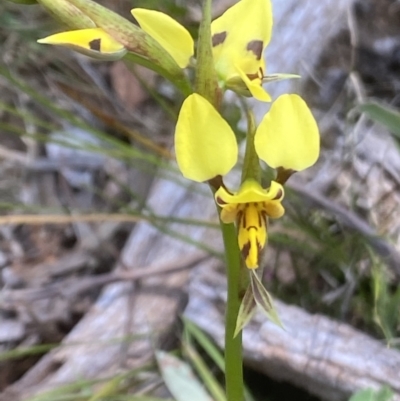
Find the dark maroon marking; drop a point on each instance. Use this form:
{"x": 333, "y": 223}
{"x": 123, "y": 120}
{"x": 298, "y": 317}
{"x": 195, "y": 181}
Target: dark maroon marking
{"x": 218, "y": 38}
{"x": 95, "y": 44}
{"x": 250, "y": 227}
{"x": 256, "y": 47}
{"x": 261, "y": 72}
{"x": 244, "y": 220}
{"x": 241, "y": 218}
{"x": 245, "y": 250}
{"x": 264, "y": 214}
{"x": 220, "y": 201}
{"x": 259, "y": 220}
{"x": 278, "y": 195}
{"x": 252, "y": 77}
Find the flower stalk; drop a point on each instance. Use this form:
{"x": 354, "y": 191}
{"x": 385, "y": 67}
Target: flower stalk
{"x": 206, "y": 85}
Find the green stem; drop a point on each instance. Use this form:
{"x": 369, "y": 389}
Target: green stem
{"x": 233, "y": 346}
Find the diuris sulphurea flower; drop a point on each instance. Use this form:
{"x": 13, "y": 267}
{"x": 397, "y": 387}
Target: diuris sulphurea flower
{"x": 104, "y": 34}
{"x": 206, "y": 147}
{"x": 239, "y": 38}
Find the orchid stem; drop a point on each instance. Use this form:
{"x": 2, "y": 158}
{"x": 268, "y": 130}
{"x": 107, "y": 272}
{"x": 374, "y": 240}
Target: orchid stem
{"x": 233, "y": 346}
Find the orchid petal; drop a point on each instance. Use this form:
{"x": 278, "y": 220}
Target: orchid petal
{"x": 250, "y": 191}
{"x": 205, "y": 144}
{"x": 170, "y": 34}
{"x": 241, "y": 35}
{"x": 288, "y": 135}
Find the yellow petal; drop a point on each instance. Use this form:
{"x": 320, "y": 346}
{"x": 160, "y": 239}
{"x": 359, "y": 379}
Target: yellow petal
{"x": 93, "y": 42}
{"x": 241, "y": 35}
{"x": 229, "y": 213}
{"x": 252, "y": 233}
{"x": 250, "y": 192}
{"x": 171, "y": 35}
{"x": 205, "y": 145}
{"x": 288, "y": 135}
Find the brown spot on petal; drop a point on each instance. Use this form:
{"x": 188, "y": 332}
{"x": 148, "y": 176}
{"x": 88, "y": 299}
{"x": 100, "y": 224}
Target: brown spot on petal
{"x": 278, "y": 195}
{"x": 252, "y": 77}
{"x": 218, "y": 38}
{"x": 245, "y": 250}
{"x": 95, "y": 44}
{"x": 220, "y": 201}
{"x": 256, "y": 47}
{"x": 239, "y": 217}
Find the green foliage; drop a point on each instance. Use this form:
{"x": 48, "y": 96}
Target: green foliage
{"x": 383, "y": 394}
{"x": 383, "y": 114}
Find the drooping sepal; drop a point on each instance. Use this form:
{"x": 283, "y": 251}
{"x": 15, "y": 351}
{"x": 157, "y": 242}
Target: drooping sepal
{"x": 263, "y": 299}
{"x": 205, "y": 145}
{"x": 288, "y": 135}
{"x": 93, "y": 42}
{"x": 246, "y": 311}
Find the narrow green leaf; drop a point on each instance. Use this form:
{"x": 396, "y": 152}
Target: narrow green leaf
{"x": 384, "y": 394}
{"x": 263, "y": 299}
{"x": 209, "y": 347}
{"x": 179, "y": 378}
{"x": 110, "y": 388}
{"x": 368, "y": 394}
{"x": 246, "y": 311}
{"x": 383, "y": 114}
{"x": 204, "y": 373}
{"x": 363, "y": 395}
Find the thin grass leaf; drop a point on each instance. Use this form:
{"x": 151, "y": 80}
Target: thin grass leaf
{"x": 369, "y": 394}
{"x": 108, "y": 389}
{"x": 27, "y": 351}
{"x": 208, "y": 346}
{"x": 206, "y": 376}
{"x": 383, "y": 114}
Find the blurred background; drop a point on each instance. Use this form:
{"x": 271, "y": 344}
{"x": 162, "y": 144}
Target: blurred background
{"x": 104, "y": 246}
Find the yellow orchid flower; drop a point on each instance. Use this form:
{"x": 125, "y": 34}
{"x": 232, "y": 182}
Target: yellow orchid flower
{"x": 206, "y": 148}
{"x": 239, "y": 37}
